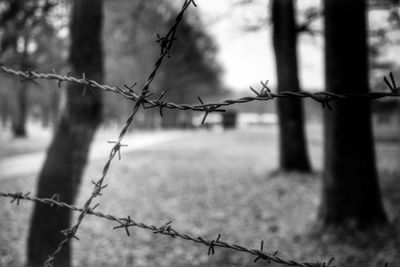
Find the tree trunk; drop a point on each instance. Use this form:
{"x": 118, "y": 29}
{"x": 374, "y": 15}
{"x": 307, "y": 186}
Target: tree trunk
{"x": 19, "y": 116}
{"x": 351, "y": 192}
{"x": 67, "y": 155}
{"x": 21, "y": 109}
{"x": 292, "y": 141}
{"x": 4, "y": 110}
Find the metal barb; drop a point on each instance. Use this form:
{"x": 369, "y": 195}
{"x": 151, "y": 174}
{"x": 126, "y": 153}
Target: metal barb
{"x": 124, "y": 225}
{"x": 392, "y": 84}
{"x": 140, "y": 99}
{"x": 166, "y": 229}
{"x": 30, "y": 77}
{"x": 264, "y": 96}
{"x": 117, "y": 147}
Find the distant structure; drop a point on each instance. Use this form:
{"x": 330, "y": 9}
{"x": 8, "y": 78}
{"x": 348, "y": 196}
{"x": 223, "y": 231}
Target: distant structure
{"x": 240, "y": 120}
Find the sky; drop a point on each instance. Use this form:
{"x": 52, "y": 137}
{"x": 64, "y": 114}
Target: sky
{"x": 247, "y": 56}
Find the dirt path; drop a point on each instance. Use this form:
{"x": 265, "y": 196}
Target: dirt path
{"x": 30, "y": 164}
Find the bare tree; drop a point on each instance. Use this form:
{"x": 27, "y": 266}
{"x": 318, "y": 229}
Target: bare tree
{"x": 350, "y": 181}
{"x": 292, "y": 141}
{"x": 67, "y": 155}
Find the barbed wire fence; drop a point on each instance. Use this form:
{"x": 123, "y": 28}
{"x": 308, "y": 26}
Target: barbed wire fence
{"x": 145, "y": 100}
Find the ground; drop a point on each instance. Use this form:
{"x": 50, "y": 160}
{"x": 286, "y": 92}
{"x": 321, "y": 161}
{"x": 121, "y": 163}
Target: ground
{"x": 209, "y": 183}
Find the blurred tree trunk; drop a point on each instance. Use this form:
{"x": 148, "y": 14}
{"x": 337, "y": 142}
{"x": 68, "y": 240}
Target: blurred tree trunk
{"x": 292, "y": 141}
{"x": 20, "y": 113}
{"x": 350, "y": 183}
{"x": 4, "y": 109}
{"x": 67, "y": 155}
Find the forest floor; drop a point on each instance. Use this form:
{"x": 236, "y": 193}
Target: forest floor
{"x": 211, "y": 183}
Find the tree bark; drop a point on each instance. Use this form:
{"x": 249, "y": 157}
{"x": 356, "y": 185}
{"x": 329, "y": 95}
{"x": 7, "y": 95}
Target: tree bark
{"x": 292, "y": 141}
{"x": 350, "y": 182}
{"x": 66, "y": 158}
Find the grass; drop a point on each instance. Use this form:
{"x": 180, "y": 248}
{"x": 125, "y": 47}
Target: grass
{"x": 208, "y": 184}
{"x": 37, "y": 139}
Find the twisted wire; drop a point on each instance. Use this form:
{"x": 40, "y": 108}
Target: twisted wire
{"x": 264, "y": 94}
{"x": 143, "y": 98}
{"x": 166, "y": 229}
{"x": 165, "y": 44}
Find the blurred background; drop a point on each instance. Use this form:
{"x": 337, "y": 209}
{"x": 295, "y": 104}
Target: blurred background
{"x": 255, "y": 170}
{"x": 236, "y": 52}
{"x": 231, "y": 50}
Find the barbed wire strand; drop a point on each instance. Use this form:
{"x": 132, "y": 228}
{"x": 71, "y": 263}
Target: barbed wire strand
{"x": 166, "y": 229}
{"x": 264, "y": 94}
{"x": 165, "y": 44}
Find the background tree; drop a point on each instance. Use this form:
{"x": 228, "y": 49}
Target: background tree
{"x": 67, "y": 155}
{"x": 19, "y": 24}
{"x": 350, "y": 182}
{"x": 191, "y": 71}
{"x": 292, "y": 141}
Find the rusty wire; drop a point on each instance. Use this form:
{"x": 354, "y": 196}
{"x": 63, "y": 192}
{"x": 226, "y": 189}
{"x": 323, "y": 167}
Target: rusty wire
{"x": 166, "y": 229}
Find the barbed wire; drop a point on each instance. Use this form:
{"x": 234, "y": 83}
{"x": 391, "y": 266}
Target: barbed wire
{"x": 165, "y": 44}
{"x": 166, "y": 229}
{"x": 143, "y": 100}
{"x": 263, "y": 94}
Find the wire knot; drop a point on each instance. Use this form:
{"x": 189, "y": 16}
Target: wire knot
{"x": 392, "y": 84}
{"x": 97, "y": 188}
{"x": 207, "y": 109}
{"x": 165, "y": 43}
{"x": 211, "y": 245}
{"x": 54, "y": 198}
{"x": 18, "y": 196}
{"x": 324, "y": 100}
{"x": 265, "y": 91}
{"x": 70, "y": 233}
{"x": 30, "y": 77}
{"x": 165, "y": 229}
{"x": 125, "y": 225}
{"x": 87, "y": 85}
{"x": 325, "y": 264}
{"x": 117, "y": 147}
